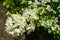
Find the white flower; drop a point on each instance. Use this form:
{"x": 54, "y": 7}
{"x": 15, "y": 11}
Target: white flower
{"x": 15, "y": 22}
{"x": 18, "y": 24}
{"x": 31, "y": 13}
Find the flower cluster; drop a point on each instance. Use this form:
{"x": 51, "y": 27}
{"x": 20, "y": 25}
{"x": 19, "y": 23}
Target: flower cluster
{"x": 18, "y": 24}
{"x": 31, "y": 16}
{"x": 50, "y": 24}
{"x": 15, "y": 24}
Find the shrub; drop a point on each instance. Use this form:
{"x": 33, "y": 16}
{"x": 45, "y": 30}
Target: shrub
{"x": 44, "y": 14}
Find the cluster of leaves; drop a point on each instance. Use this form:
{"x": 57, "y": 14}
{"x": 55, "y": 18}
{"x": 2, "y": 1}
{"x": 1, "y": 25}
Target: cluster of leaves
{"x": 15, "y": 5}
{"x": 48, "y": 12}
